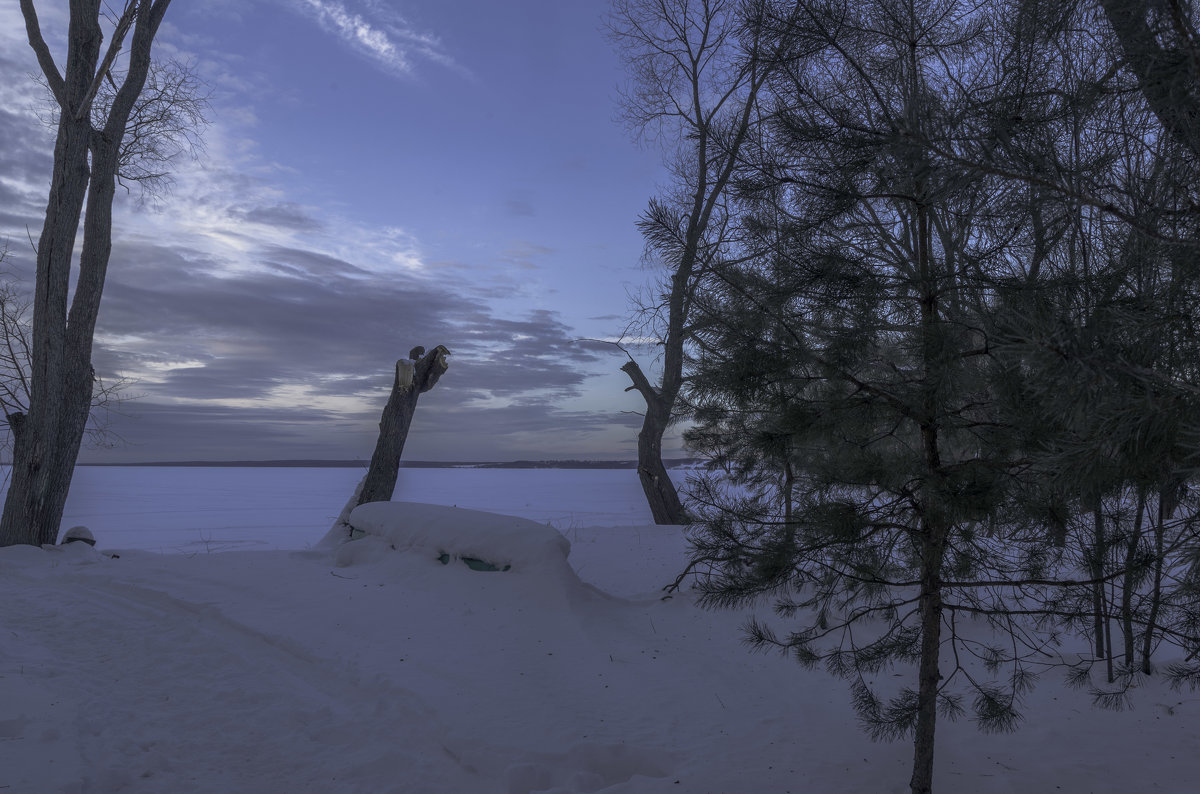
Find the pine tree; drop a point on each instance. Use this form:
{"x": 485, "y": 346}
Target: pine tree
{"x": 888, "y": 384}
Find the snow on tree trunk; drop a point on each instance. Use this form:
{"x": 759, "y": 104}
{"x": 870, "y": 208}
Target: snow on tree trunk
{"x": 342, "y": 529}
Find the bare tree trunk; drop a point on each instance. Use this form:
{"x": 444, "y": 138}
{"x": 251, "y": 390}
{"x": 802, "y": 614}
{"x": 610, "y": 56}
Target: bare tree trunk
{"x": 1108, "y": 646}
{"x": 1097, "y": 571}
{"x": 934, "y": 529}
{"x": 414, "y": 376}
{"x": 1128, "y": 583}
{"x": 661, "y": 495}
{"x": 1167, "y": 501}
{"x": 47, "y": 439}
{"x": 929, "y": 674}
{"x": 33, "y": 506}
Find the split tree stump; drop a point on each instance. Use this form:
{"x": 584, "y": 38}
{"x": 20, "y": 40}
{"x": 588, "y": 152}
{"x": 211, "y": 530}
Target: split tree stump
{"x": 414, "y": 376}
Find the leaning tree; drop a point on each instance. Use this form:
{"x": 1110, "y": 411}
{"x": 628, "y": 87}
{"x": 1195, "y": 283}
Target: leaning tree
{"x": 414, "y": 376}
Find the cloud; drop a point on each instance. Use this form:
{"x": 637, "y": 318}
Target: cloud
{"x": 379, "y": 34}
{"x": 284, "y": 214}
{"x": 522, "y": 253}
{"x": 256, "y": 325}
{"x": 208, "y": 327}
{"x": 26, "y": 154}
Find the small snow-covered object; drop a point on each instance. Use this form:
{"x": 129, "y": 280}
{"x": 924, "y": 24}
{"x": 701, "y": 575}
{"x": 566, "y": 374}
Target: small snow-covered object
{"x": 482, "y": 541}
{"x": 80, "y": 534}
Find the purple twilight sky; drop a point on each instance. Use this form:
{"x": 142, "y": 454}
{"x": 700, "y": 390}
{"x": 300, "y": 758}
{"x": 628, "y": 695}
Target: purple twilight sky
{"x": 378, "y": 174}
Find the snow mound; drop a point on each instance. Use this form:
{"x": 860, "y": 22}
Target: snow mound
{"x": 50, "y": 556}
{"x": 485, "y": 541}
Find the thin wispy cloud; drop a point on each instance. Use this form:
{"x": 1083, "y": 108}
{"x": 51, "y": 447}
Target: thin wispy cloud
{"x": 380, "y": 34}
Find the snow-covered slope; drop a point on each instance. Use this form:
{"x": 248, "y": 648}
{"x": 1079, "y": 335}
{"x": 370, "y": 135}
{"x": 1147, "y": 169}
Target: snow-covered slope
{"x": 377, "y": 668}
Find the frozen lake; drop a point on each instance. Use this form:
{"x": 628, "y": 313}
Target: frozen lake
{"x": 198, "y": 509}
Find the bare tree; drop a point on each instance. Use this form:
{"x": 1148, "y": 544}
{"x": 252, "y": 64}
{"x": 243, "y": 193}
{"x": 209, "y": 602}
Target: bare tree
{"x": 87, "y": 157}
{"x": 695, "y": 82}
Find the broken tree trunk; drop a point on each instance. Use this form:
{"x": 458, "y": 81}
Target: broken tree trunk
{"x": 414, "y": 376}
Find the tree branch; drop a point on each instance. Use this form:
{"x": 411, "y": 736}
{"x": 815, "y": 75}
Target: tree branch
{"x": 45, "y": 60}
{"x": 114, "y": 47}
{"x": 641, "y": 383}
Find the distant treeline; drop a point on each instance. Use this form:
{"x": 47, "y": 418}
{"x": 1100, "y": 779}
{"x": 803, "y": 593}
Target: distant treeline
{"x": 413, "y": 464}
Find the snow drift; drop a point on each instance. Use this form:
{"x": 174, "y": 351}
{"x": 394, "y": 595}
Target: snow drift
{"x": 376, "y": 668}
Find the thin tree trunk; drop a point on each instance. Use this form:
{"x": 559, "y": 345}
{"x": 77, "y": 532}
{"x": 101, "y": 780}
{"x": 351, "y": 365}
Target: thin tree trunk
{"x": 933, "y": 547}
{"x": 1166, "y": 507}
{"x": 1127, "y": 581}
{"x": 1097, "y": 571}
{"x": 414, "y": 376}
{"x": 1108, "y": 647}
{"x": 934, "y": 528}
{"x": 929, "y": 672}
{"x": 789, "y": 485}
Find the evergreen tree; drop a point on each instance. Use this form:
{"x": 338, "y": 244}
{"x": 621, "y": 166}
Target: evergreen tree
{"x": 901, "y": 394}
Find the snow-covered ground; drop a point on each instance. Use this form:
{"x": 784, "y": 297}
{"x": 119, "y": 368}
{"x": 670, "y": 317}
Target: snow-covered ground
{"x": 389, "y": 665}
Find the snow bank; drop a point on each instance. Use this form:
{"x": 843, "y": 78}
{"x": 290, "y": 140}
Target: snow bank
{"x": 25, "y": 556}
{"x": 269, "y": 671}
{"x": 449, "y": 534}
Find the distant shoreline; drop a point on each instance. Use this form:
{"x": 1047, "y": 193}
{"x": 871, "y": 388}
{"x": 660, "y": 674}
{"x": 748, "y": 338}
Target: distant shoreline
{"x": 408, "y": 464}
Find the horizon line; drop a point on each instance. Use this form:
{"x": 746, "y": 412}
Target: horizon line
{"x": 561, "y": 463}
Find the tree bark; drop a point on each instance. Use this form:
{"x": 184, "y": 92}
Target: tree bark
{"x": 1167, "y": 69}
{"x": 61, "y": 373}
{"x": 1167, "y": 501}
{"x": 934, "y": 522}
{"x": 414, "y": 376}
{"x": 1128, "y": 581}
{"x": 1098, "y": 553}
{"x": 33, "y": 506}
{"x": 929, "y": 674}
{"x": 660, "y": 491}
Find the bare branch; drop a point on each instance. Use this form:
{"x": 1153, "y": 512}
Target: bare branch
{"x": 34, "y": 32}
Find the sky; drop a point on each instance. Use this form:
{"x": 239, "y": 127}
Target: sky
{"x": 377, "y": 174}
